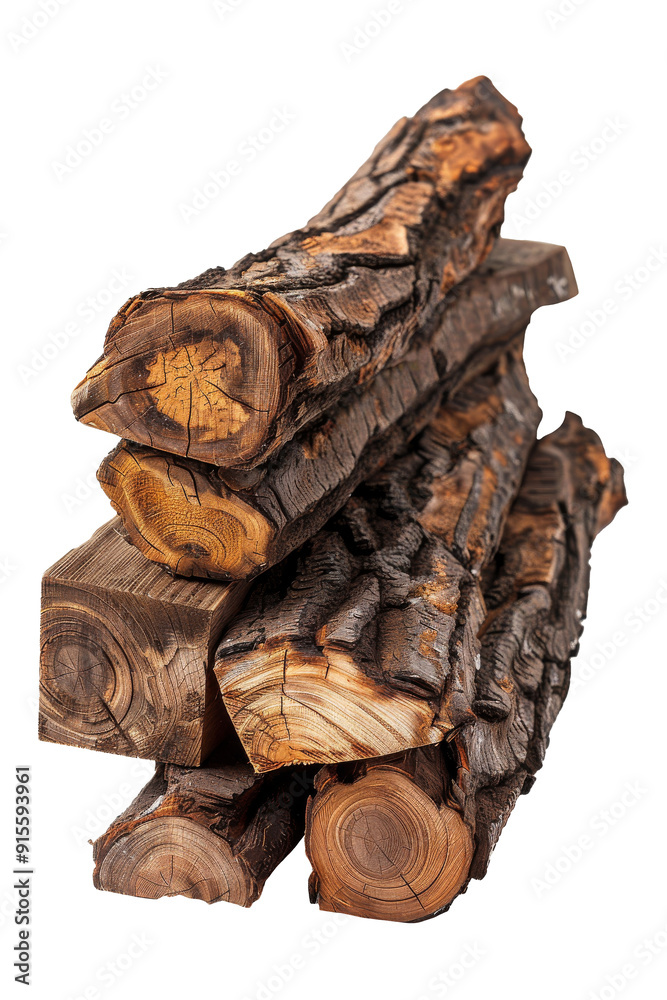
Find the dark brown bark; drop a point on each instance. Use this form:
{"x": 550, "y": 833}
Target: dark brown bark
{"x": 214, "y": 832}
{"x": 126, "y": 654}
{"x": 229, "y": 366}
{"x": 365, "y": 643}
{"x": 399, "y": 838}
{"x": 200, "y": 520}
{"x": 536, "y": 605}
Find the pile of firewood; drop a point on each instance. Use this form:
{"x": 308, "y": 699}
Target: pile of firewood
{"x": 343, "y": 419}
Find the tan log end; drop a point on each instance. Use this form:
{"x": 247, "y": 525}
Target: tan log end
{"x": 124, "y": 655}
{"x": 173, "y": 856}
{"x": 181, "y": 518}
{"x": 193, "y": 373}
{"x": 381, "y": 847}
{"x": 86, "y": 689}
{"x": 292, "y": 708}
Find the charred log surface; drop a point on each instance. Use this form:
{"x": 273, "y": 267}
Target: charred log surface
{"x": 366, "y": 643}
{"x": 398, "y": 839}
{"x": 227, "y": 367}
{"x": 201, "y": 520}
{"x": 536, "y": 607}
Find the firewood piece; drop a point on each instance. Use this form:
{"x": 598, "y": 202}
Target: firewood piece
{"x": 384, "y": 839}
{"x": 366, "y": 643}
{"x": 536, "y": 605}
{"x": 200, "y": 520}
{"x": 214, "y": 832}
{"x": 227, "y": 367}
{"x": 126, "y": 654}
{"x": 399, "y": 838}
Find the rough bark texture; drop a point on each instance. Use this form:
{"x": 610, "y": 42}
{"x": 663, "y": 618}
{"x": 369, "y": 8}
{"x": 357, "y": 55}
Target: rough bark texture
{"x": 227, "y": 367}
{"x": 201, "y": 520}
{"x": 126, "y": 654}
{"x": 366, "y": 643}
{"x": 399, "y": 838}
{"x": 214, "y": 833}
{"x": 536, "y": 605}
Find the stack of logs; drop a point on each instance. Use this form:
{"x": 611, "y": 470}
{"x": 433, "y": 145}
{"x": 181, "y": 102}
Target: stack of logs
{"x": 345, "y": 581}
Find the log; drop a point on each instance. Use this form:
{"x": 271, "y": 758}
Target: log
{"x": 126, "y": 654}
{"x": 536, "y": 604}
{"x": 366, "y": 642}
{"x": 384, "y": 839}
{"x": 200, "y": 520}
{"x": 214, "y": 832}
{"x": 399, "y": 838}
{"x": 227, "y": 367}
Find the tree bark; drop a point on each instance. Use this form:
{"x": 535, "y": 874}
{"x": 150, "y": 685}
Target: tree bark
{"x": 214, "y": 833}
{"x": 227, "y": 367}
{"x": 126, "y": 654}
{"x": 200, "y": 520}
{"x": 536, "y": 606}
{"x": 365, "y": 643}
{"x": 399, "y": 838}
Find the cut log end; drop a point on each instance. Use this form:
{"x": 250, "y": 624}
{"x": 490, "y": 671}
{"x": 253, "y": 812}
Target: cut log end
{"x": 210, "y": 391}
{"x": 293, "y": 707}
{"x": 181, "y": 516}
{"x": 85, "y": 677}
{"x": 381, "y": 847}
{"x": 125, "y": 663}
{"x": 215, "y": 832}
{"x": 174, "y": 856}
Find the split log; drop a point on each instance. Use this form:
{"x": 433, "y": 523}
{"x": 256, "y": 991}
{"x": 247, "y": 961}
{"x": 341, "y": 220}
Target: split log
{"x": 126, "y": 654}
{"x": 214, "y": 833}
{"x": 201, "y": 520}
{"x": 399, "y": 838}
{"x": 366, "y": 642}
{"x": 227, "y": 367}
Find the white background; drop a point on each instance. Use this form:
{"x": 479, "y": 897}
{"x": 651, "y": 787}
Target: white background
{"x": 120, "y": 210}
